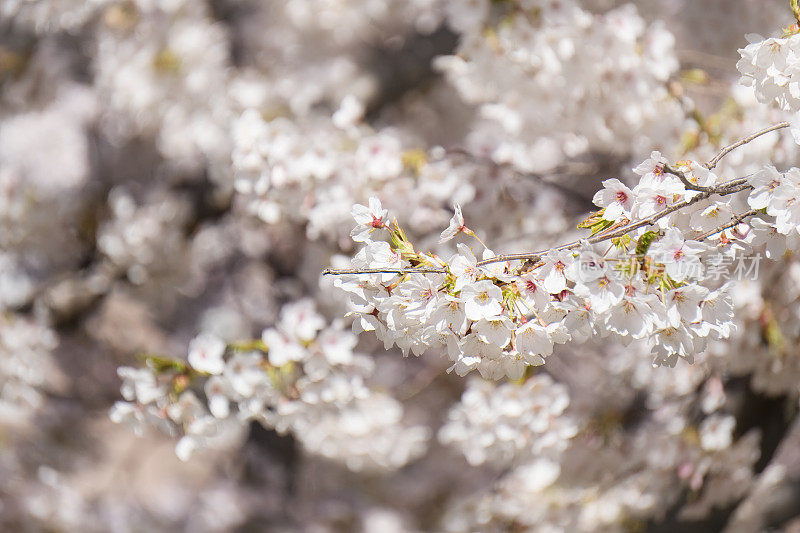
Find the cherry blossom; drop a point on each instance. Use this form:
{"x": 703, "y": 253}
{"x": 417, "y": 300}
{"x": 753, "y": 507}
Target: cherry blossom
{"x": 205, "y": 354}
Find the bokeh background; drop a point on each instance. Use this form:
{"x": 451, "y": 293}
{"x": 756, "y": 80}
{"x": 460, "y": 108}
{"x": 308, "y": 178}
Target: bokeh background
{"x": 173, "y": 167}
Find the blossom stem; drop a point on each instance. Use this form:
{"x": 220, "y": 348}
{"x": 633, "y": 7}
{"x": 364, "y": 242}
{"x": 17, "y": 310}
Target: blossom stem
{"x": 734, "y": 221}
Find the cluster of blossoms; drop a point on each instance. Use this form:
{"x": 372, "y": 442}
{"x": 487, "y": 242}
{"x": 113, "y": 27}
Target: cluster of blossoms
{"x": 536, "y": 71}
{"x": 509, "y": 423}
{"x": 317, "y": 169}
{"x": 542, "y": 491}
{"x": 300, "y": 377}
{"x": 770, "y": 66}
{"x": 601, "y": 476}
{"x": 499, "y": 319}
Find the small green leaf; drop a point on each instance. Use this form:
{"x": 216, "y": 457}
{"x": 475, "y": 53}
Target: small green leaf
{"x": 643, "y": 244}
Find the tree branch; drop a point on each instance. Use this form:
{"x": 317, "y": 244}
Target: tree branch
{"x": 730, "y": 148}
{"x": 734, "y": 221}
{"x": 686, "y": 183}
{"x": 724, "y": 189}
{"x": 409, "y": 270}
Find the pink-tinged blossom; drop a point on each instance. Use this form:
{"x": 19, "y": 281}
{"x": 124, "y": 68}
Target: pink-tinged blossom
{"x": 456, "y": 226}
{"x": 653, "y": 199}
{"x": 553, "y": 272}
{"x": 652, "y": 168}
{"x": 532, "y": 291}
{"x": 368, "y": 219}
{"x": 681, "y": 258}
{"x": 616, "y": 198}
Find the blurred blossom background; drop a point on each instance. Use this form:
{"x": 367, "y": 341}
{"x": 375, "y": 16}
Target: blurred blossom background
{"x": 176, "y": 174}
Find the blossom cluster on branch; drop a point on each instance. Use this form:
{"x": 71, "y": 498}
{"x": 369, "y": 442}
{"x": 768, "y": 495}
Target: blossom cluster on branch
{"x": 652, "y": 267}
{"x": 301, "y": 377}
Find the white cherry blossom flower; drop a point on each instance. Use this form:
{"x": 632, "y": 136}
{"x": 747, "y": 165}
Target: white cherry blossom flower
{"x": 683, "y": 303}
{"x": 763, "y": 233}
{"x": 764, "y": 183}
{"x": 532, "y": 339}
{"x": 282, "y": 348}
{"x": 368, "y": 219}
{"x": 636, "y": 315}
{"x": 350, "y": 112}
{"x": 464, "y": 266}
{"x": 715, "y": 215}
{"x": 681, "y": 258}
{"x": 205, "y": 353}
{"x": 784, "y": 204}
{"x": 553, "y": 272}
{"x": 219, "y": 393}
{"x": 245, "y": 373}
{"x": 456, "y": 226}
{"x": 140, "y": 385}
{"x": 495, "y": 331}
{"x": 449, "y": 316}
{"x": 616, "y": 198}
{"x": 655, "y": 198}
{"x": 533, "y": 292}
{"x": 482, "y": 300}
{"x": 716, "y": 432}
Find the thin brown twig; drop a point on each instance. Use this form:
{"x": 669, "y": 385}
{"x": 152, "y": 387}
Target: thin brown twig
{"x": 409, "y": 270}
{"x": 734, "y": 221}
{"x": 731, "y": 147}
{"x": 686, "y": 183}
